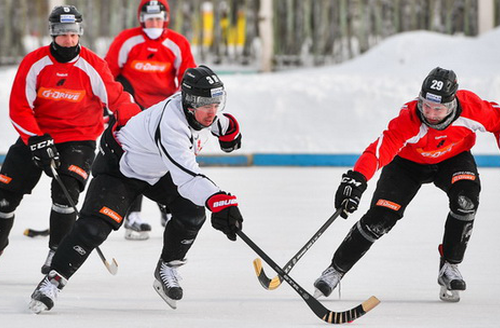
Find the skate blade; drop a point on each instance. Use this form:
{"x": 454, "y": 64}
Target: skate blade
{"x": 447, "y": 295}
{"x": 318, "y": 294}
{"x": 157, "y": 286}
{"x": 37, "y": 307}
{"x": 136, "y": 235}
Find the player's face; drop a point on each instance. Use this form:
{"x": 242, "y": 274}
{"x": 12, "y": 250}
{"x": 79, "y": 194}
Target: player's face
{"x": 435, "y": 112}
{"x": 67, "y": 40}
{"x": 154, "y": 22}
{"x": 205, "y": 115}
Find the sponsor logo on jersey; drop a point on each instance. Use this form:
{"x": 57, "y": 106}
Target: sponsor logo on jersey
{"x": 78, "y": 170}
{"x": 61, "y": 94}
{"x": 463, "y": 176}
{"x": 385, "y": 203}
{"x": 149, "y": 66}
{"x": 436, "y": 153}
{"x": 62, "y": 74}
{"x": 5, "y": 179}
{"x": 152, "y": 49}
{"x": 112, "y": 214}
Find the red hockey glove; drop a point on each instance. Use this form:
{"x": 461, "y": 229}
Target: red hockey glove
{"x": 226, "y": 216}
{"x": 349, "y": 193}
{"x": 44, "y": 152}
{"x": 231, "y": 140}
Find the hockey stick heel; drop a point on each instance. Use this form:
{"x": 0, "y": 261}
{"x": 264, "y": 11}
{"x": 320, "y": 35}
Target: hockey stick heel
{"x": 318, "y": 309}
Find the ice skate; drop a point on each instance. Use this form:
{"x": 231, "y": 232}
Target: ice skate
{"x": 325, "y": 284}
{"x": 45, "y": 294}
{"x": 166, "y": 282}
{"x": 135, "y": 228}
{"x": 451, "y": 282}
{"x": 48, "y": 262}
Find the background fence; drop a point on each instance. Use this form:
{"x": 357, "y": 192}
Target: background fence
{"x": 234, "y": 32}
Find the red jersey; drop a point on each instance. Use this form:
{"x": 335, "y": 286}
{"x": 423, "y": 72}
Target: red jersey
{"x": 65, "y": 99}
{"x": 154, "y": 68}
{"x": 408, "y": 137}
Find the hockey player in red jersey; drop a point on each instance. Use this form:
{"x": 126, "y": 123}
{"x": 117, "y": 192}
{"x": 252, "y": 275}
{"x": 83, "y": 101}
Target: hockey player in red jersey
{"x": 149, "y": 61}
{"x": 56, "y": 107}
{"x": 430, "y": 141}
{"x": 155, "y": 155}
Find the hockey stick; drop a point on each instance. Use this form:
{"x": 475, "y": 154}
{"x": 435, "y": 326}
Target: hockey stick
{"x": 275, "y": 282}
{"x": 318, "y": 309}
{"x": 113, "y": 267}
{"x": 35, "y": 233}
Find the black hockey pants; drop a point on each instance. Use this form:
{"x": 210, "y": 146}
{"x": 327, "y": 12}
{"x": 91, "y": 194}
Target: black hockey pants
{"x": 398, "y": 184}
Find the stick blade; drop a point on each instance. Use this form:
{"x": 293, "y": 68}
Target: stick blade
{"x": 269, "y": 284}
{"x": 352, "y": 314}
{"x": 113, "y": 267}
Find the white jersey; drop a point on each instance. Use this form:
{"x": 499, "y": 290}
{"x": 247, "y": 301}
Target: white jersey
{"x": 159, "y": 140}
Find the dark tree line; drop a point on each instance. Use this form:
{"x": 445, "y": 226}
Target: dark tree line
{"x": 306, "y": 32}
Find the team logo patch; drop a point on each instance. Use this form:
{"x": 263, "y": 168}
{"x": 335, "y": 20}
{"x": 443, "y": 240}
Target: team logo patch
{"x": 463, "y": 176}
{"x": 385, "y": 203}
{"x": 61, "y": 94}
{"x": 216, "y": 92}
{"x": 81, "y": 172}
{"x": 432, "y": 97}
{"x": 149, "y": 66}
{"x": 5, "y": 179}
{"x": 112, "y": 214}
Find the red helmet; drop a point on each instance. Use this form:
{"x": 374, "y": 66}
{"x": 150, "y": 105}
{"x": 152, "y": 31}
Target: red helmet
{"x": 153, "y": 8}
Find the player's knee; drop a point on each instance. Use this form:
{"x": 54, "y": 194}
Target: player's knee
{"x": 9, "y": 201}
{"x": 464, "y": 200}
{"x": 192, "y": 218}
{"x": 92, "y": 231}
{"x": 377, "y": 222}
{"x": 73, "y": 188}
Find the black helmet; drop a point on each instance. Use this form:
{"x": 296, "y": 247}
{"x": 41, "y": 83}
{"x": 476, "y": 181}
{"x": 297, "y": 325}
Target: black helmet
{"x": 201, "y": 86}
{"x": 440, "y": 85}
{"x": 65, "y": 19}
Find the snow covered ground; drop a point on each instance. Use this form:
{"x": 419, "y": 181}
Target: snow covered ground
{"x": 338, "y": 109}
{"x": 282, "y": 207}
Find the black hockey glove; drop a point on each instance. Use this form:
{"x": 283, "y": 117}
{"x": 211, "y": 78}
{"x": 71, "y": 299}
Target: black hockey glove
{"x": 44, "y": 152}
{"x": 226, "y": 216}
{"x": 231, "y": 140}
{"x": 349, "y": 193}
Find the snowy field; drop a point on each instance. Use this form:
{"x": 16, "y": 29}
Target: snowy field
{"x": 282, "y": 208}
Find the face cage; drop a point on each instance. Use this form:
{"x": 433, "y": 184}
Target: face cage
{"x": 145, "y": 16}
{"x": 196, "y": 102}
{"x": 450, "y": 106}
{"x": 57, "y": 29}
{"x": 447, "y": 120}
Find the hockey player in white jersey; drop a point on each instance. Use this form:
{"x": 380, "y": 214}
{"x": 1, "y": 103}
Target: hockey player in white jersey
{"x": 154, "y": 154}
